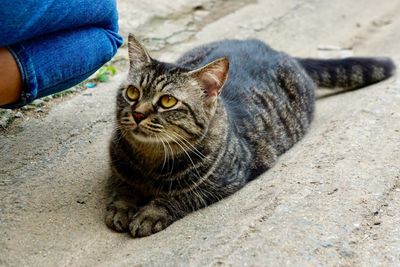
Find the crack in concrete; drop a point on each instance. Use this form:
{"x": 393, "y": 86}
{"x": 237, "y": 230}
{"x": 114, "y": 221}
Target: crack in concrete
{"x": 276, "y": 21}
{"x": 213, "y": 11}
{"x": 373, "y": 28}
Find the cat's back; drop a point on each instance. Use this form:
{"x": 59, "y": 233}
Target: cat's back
{"x": 243, "y": 55}
{"x": 252, "y": 65}
{"x": 268, "y": 96}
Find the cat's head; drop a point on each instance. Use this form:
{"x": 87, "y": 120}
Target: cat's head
{"x": 164, "y": 103}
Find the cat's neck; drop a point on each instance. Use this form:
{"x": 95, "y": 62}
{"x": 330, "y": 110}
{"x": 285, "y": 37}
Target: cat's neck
{"x": 154, "y": 155}
{"x": 217, "y": 130}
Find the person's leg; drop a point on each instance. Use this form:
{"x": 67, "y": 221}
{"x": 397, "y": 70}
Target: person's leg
{"x": 21, "y": 20}
{"x": 10, "y": 78}
{"x": 58, "y": 60}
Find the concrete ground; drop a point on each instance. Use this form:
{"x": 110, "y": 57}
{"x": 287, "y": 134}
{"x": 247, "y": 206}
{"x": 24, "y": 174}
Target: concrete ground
{"x": 332, "y": 200}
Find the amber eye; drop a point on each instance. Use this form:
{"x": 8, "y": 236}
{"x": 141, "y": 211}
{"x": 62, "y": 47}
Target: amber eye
{"x": 132, "y": 93}
{"x": 167, "y": 101}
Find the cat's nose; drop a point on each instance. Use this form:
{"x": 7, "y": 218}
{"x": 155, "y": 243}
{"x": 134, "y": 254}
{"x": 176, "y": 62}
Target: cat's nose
{"x": 138, "y": 117}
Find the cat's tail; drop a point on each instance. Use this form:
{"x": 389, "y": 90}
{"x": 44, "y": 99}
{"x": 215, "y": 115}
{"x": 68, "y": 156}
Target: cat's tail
{"x": 348, "y": 73}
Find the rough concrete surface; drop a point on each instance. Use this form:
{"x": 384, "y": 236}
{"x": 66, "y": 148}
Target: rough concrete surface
{"x": 332, "y": 200}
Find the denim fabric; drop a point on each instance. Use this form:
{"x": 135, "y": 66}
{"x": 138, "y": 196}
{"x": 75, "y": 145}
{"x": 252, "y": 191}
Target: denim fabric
{"x": 56, "y": 43}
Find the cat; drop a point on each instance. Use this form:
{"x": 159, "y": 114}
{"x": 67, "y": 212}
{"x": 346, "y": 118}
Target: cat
{"x": 191, "y": 133}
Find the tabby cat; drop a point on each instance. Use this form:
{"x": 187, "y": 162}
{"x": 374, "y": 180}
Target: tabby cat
{"x": 191, "y": 133}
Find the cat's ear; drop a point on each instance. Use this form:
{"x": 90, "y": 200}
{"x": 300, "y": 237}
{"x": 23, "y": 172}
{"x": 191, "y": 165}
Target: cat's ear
{"x": 212, "y": 77}
{"x": 138, "y": 56}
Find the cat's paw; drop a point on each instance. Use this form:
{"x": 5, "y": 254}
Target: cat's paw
{"x": 118, "y": 214}
{"x": 149, "y": 220}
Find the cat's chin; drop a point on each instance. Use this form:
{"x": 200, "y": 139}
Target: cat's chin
{"x": 144, "y": 138}
{"x": 138, "y": 134}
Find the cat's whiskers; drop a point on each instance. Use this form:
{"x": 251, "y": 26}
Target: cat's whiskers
{"x": 187, "y": 154}
{"x": 121, "y": 130}
{"x": 191, "y": 147}
{"x": 172, "y": 156}
{"x": 201, "y": 194}
{"x": 164, "y": 150}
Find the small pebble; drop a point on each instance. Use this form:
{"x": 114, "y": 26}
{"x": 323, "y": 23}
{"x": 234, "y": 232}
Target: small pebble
{"x": 47, "y": 98}
{"x": 28, "y": 107}
{"x": 90, "y": 85}
{"x": 333, "y": 191}
{"x": 345, "y": 249}
{"x": 74, "y": 132}
{"x": 326, "y": 244}
{"x": 38, "y": 103}
{"x": 377, "y": 222}
{"x": 18, "y": 115}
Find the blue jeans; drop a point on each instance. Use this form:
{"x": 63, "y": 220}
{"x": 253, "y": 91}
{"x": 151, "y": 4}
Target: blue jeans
{"x": 57, "y": 43}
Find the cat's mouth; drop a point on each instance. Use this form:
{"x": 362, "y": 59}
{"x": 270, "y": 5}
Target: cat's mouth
{"x": 138, "y": 130}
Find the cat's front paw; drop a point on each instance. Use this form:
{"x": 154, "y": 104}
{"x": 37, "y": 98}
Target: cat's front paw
{"x": 118, "y": 214}
{"x": 149, "y": 220}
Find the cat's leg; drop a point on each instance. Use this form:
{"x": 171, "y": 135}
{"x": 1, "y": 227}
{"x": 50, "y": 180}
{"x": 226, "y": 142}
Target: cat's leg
{"x": 159, "y": 213}
{"x": 153, "y": 217}
{"x": 122, "y": 205}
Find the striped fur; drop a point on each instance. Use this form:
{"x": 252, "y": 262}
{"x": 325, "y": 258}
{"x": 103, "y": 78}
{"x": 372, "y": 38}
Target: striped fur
{"x": 204, "y": 148}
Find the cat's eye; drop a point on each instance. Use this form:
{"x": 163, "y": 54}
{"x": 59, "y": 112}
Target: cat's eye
{"x": 167, "y": 101}
{"x": 132, "y": 93}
